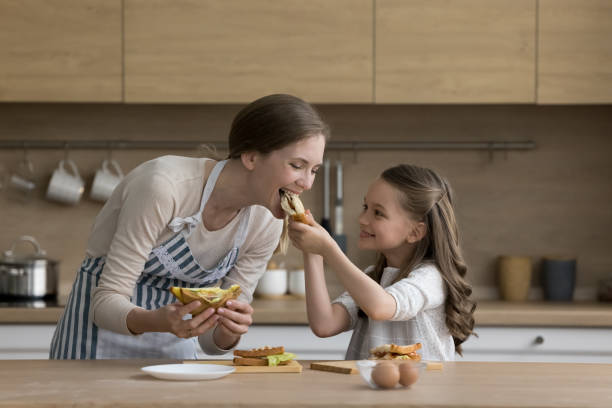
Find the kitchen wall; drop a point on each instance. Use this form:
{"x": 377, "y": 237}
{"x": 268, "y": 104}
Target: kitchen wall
{"x": 553, "y": 200}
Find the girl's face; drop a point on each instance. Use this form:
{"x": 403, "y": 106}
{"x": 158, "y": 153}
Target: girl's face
{"x": 291, "y": 168}
{"x": 384, "y": 225}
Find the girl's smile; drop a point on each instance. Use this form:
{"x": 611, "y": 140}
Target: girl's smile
{"x": 384, "y": 225}
{"x": 364, "y": 234}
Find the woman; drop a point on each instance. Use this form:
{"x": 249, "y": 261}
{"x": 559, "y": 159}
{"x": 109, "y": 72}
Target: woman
{"x": 191, "y": 222}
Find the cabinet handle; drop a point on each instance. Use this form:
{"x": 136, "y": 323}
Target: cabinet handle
{"x": 538, "y": 340}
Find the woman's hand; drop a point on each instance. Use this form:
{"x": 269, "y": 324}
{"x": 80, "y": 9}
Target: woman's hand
{"x": 234, "y": 321}
{"x": 311, "y": 238}
{"x": 171, "y": 317}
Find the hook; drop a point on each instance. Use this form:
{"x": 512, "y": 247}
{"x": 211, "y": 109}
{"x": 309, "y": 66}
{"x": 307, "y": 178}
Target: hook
{"x": 66, "y": 151}
{"x": 25, "y": 151}
{"x": 354, "y": 145}
{"x": 110, "y": 151}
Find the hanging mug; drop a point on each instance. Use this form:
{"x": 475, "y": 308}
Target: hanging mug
{"x": 23, "y": 178}
{"x": 66, "y": 187}
{"x": 105, "y": 180}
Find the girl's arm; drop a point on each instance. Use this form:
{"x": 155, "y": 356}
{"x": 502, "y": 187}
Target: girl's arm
{"x": 369, "y": 295}
{"x": 372, "y": 298}
{"x": 325, "y": 319}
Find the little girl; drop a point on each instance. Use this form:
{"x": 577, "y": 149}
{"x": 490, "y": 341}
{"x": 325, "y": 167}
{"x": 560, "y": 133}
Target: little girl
{"x": 416, "y": 292}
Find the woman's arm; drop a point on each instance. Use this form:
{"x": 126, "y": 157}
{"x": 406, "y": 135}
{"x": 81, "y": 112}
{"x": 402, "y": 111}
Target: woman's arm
{"x": 325, "y": 319}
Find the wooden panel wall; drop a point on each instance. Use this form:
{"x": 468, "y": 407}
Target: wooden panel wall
{"x": 552, "y": 200}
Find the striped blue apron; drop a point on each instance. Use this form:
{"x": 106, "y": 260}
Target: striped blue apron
{"x": 170, "y": 264}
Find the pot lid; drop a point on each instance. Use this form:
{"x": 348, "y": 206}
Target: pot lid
{"x": 39, "y": 254}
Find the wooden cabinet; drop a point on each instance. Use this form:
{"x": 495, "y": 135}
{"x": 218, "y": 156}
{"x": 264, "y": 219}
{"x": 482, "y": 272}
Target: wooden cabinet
{"x": 575, "y": 51}
{"x": 60, "y": 50}
{"x": 469, "y": 51}
{"x": 227, "y": 51}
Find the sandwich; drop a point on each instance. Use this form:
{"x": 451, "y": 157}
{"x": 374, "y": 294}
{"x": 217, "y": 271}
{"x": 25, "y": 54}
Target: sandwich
{"x": 395, "y": 352}
{"x": 292, "y": 205}
{"x": 209, "y": 297}
{"x": 263, "y": 356}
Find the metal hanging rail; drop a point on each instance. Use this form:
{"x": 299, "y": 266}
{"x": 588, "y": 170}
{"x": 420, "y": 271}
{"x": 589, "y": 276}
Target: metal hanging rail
{"x": 186, "y": 145}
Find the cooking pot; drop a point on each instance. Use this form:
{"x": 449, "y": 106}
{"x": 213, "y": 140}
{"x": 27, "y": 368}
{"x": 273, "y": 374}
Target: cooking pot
{"x": 28, "y": 276}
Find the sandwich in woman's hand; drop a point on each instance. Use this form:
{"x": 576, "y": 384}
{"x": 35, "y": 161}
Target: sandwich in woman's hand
{"x": 292, "y": 205}
{"x": 209, "y": 297}
{"x": 395, "y": 352}
{"x": 263, "y": 356}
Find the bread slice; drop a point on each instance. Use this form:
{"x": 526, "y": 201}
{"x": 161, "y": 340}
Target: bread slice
{"x": 209, "y": 297}
{"x": 392, "y": 356}
{"x": 395, "y": 352}
{"x": 293, "y": 206}
{"x": 395, "y": 349}
{"x": 260, "y": 352}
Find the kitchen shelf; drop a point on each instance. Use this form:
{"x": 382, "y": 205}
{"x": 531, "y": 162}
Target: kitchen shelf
{"x": 186, "y": 145}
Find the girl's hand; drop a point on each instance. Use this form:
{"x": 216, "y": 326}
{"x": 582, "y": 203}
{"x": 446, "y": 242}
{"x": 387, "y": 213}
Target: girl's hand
{"x": 311, "y": 238}
{"x": 171, "y": 317}
{"x": 234, "y": 321}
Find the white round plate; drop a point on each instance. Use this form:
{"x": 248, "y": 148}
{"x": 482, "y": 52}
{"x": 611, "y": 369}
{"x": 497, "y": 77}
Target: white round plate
{"x": 188, "y": 371}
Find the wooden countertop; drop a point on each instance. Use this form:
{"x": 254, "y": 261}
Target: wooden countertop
{"x": 120, "y": 383}
{"x": 488, "y": 313}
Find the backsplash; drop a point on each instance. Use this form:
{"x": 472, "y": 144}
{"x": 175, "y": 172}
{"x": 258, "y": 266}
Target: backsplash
{"x": 553, "y": 200}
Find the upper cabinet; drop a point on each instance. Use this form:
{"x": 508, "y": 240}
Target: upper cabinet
{"x": 469, "y": 51}
{"x": 234, "y": 51}
{"x": 575, "y": 51}
{"x": 325, "y": 51}
{"x": 60, "y": 51}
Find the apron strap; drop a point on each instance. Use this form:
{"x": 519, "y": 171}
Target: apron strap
{"x": 179, "y": 223}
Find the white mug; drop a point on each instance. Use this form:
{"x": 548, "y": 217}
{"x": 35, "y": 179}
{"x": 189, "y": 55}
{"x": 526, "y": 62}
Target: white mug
{"x": 105, "y": 180}
{"x": 64, "y": 186}
{"x": 23, "y": 178}
{"x": 297, "y": 284}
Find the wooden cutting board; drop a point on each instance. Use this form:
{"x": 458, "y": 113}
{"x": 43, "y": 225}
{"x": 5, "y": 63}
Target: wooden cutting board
{"x": 292, "y": 367}
{"x": 342, "y": 367}
{"x": 350, "y": 366}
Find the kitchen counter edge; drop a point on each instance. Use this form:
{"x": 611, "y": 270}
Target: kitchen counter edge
{"x": 488, "y": 313}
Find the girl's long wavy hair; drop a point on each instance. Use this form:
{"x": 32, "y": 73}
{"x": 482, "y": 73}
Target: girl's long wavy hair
{"x": 428, "y": 198}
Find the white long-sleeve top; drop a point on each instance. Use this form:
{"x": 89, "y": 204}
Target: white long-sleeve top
{"x": 419, "y": 316}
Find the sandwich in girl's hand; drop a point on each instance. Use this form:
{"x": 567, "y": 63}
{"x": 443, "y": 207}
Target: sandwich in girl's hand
{"x": 292, "y": 205}
{"x": 208, "y": 297}
{"x": 263, "y": 356}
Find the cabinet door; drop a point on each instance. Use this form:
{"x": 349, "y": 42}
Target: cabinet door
{"x": 575, "y": 51}
{"x": 539, "y": 344}
{"x": 238, "y": 50}
{"x": 60, "y": 50}
{"x": 25, "y": 341}
{"x": 468, "y": 51}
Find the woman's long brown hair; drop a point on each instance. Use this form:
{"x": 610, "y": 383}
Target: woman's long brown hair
{"x": 427, "y": 197}
{"x": 271, "y": 123}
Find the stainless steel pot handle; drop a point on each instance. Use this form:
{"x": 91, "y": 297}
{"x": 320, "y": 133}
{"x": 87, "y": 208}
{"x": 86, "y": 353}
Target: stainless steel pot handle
{"x": 25, "y": 238}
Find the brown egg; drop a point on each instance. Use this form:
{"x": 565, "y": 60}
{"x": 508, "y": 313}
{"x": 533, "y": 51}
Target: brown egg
{"x": 385, "y": 375}
{"x": 409, "y": 373}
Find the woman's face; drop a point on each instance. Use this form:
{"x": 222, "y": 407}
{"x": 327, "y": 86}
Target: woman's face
{"x": 291, "y": 168}
{"x": 384, "y": 225}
